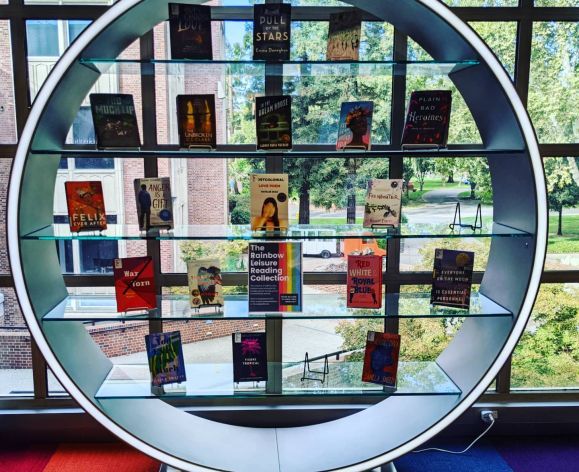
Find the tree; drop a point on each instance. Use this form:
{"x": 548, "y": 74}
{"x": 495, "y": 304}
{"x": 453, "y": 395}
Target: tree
{"x": 562, "y": 189}
{"x": 446, "y": 167}
{"x": 422, "y": 167}
{"x": 476, "y": 170}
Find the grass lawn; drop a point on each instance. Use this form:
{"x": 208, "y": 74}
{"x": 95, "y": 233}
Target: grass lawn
{"x": 567, "y": 243}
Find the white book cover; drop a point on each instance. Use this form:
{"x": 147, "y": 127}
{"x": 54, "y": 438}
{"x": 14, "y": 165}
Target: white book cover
{"x": 383, "y": 203}
{"x": 205, "y": 285}
{"x": 269, "y": 202}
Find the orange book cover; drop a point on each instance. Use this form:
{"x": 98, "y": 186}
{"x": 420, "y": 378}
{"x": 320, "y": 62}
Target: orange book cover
{"x": 135, "y": 284}
{"x": 381, "y": 358}
{"x": 86, "y": 206}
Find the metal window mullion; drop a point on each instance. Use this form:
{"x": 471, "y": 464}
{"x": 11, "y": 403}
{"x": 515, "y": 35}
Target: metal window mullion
{"x": 523, "y": 54}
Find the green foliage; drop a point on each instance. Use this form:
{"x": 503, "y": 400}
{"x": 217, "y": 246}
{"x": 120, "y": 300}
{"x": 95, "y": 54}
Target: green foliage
{"x": 422, "y": 167}
{"x": 562, "y": 190}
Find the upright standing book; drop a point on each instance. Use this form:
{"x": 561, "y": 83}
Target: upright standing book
{"x": 135, "y": 284}
{"x": 115, "y": 120}
{"x": 205, "y": 285}
{"x": 86, "y": 206}
{"x": 154, "y": 202}
{"x": 381, "y": 358}
{"x": 190, "y": 31}
{"x": 196, "y": 120}
{"x": 364, "y": 282}
{"x": 165, "y": 355}
{"x": 344, "y": 36}
{"x": 269, "y": 202}
{"x": 427, "y": 119}
{"x": 271, "y": 32}
{"x": 249, "y": 357}
{"x": 355, "y": 126}
{"x": 274, "y": 122}
{"x": 452, "y": 278}
{"x": 275, "y": 277}
{"x": 383, "y": 203}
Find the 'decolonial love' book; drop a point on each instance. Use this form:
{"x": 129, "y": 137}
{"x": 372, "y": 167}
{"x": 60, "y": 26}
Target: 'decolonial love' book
{"x": 364, "y": 282}
{"x": 355, "y": 126}
{"x": 134, "y": 284}
{"x": 427, "y": 119}
{"x": 344, "y": 36}
{"x": 249, "y": 357}
{"x": 196, "y": 121}
{"x": 273, "y": 122}
{"x": 269, "y": 202}
{"x": 154, "y": 202}
{"x": 271, "y": 32}
{"x": 381, "y": 358}
{"x": 383, "y": 202}
{"x": 86, "y": 206}
{"x": 452, "y": 278}
{"x": 165, "y": 355}
{"x": 205, "y": 285}
{"x": 115, "y": 120}
{"x": 190, "y": 31}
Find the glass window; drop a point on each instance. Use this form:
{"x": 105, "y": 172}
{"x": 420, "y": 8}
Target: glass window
{"x": 97, "y": 256}
{"x": 7, "y": 105}
{"x": 482, "y": 3}
{"x": 75, "y": 27}
{"x": 42, "y": 38}
{"x": 556, "y": 3}
{"x": 502, "y": 39}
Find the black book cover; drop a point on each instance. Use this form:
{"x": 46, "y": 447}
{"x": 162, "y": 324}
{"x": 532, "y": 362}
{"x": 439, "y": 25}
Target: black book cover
{"x": 452, "y": 278}
{"x": 190, "y": 31}
{"x": 115, "y": 120}
{"x": 196, "y": 118}
{"x": 271, "y": 32}
{"x": 427, "y": 119}
{"x": 249, "y": 357}
{"x": 274, "y": 122}
{"x": 344, "y": 36}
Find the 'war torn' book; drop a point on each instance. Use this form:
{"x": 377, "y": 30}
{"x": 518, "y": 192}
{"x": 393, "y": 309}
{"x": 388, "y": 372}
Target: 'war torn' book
{"x": 205, "y": 285}
{"x": 271, "y": 32}
{"x": 196, "y": 121}
{"x": 364, "y": 282}
{"x": 427, "y": 119}
{"x": 249, "y": 357}
{"x": 383, "y": 202}
{"x": 115, "y": 120}
{"x": 165, "y": 355}
{"x": 135, "y": 284}
{"x": 344, "y": 36}
{"x": 269, "y": 202}
{"x": 355, "y": 126}
{"x": 273, "y": 122}
{"x": 381, "y": 358}
{"x": 190, "y": 31}
{"x": 86, "y": 206}
{"x": 154, "y": 202}
{"x": 452, "y": 278}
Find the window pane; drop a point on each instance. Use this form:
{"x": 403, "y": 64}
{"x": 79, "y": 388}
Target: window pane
{"x": 502, "y": 39}
{"x": 556, "y": 3}
{"x": 482, "y": 3}
{"x": 42, "y": 38}
{"x": 7, "y": 105}
{"x": 75, "y": 27}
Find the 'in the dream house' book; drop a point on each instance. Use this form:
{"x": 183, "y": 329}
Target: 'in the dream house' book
{"x": 154, "y": 202}
{"x": 196, "y": 121}
{"x": 383, "y": 202}
{"x": 115, "y": 120}
{"x": 364, "y": 282}
{"x": 190, "y": 31}
{"x": 249, "y": 357}
{"x": 273, "y": 122}
{"x": 355, "y": 126}
{"x": 381, "y": 358}
{"x": 452, "y": 278}
{"x": 134, "y": 284}
{"x": 86, "y": 206}
{"x": 269, "y": 202}
{"x": 427, "y": 119}
{"x": 165, "y": 355}
{"x": 205, "y": 285}
{"x": 271, "y": 31}
{"x": 344, "y": 36}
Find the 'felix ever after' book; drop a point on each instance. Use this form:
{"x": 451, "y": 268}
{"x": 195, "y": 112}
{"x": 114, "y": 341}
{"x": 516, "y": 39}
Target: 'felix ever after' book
{"x": 383, "y": 202}
{"x": 355, "y": 126}
{"x": 427, "y": 119}
{"x": 273, "y": 122}
{"x": 452, "y": 278}
{"x": 154, "y": 202}
{"x": 165, "y": 355}
{"x": 134, "y": 284}
{"x": 115, "y": 120}
{"x": 271, "y": 32}
{"x": 86, "y": 206}
{"x": 269, "y": 202}
{"x": 381, "y": 358}
{"x": 344, "y": 36}
{"x": 364, "y": 282}
{"x": 196, "y": 120}
{"x": 205, "y": 285}
{"x": 249, "y": 357}
{"x": 190, "y": 31}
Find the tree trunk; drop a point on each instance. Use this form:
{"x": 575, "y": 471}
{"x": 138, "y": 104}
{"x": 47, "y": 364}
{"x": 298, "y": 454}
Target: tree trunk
{"x": 450, "y": 179}
{"x": 421, "y": 184}
{"x": 304, "y": 208}
{"x": 351, "y": 193}
{"x": 560, "y": 224}
{"x": 472, "y": 187}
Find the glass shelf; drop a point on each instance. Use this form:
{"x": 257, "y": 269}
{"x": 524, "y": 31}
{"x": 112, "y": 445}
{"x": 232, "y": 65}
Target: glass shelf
{"x": 296, "y": 232}
{"x": 216, "y": 380}
{"x": 101, "y": 308}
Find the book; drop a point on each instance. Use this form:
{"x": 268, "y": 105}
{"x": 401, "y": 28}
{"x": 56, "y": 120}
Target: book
{"x": 205, "y": 284}
{"x": 452, "y": 278}
{"x": 381, "y": 358}
{"x": 273, "y": 120}
{"x": 427, "y": 119}
{"x": 115, "y": 120}
{"x": 165, "y": 355}
{"x": 383, "y": 202}
{"x": 196, "y": 119}
{"x": 364, "y": 282}
{"x": 154, "y": 202}
{"x": 355, "y": 126}
{"x": 86, "y": 206}
{"x": 269, "y": 202}
{"x": 134, "y": 284}
{"x": 249, "y": 357}
{"x": 344, "y": 36}
{"x": 271, "y": 32}
{"x": 275, "y": 277}
{"x": 190, "y": 31}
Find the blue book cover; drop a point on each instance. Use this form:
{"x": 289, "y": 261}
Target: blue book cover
{"x": 165, "y": 354}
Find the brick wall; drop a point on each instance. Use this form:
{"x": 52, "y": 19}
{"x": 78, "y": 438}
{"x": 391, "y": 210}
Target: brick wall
{"x": 7, "y": 110}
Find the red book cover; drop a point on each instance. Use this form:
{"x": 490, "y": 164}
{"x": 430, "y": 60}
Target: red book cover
{"x": 135, "y": 284}
{"x": 86, "y": 206}
{"x": 381, "y": 358}
{"x": 364, "y": 282}
{"x": 427, "y": 119}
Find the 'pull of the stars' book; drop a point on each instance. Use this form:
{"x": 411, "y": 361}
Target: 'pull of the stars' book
{"x": 271, "y": 32}
{"x": 205, "y": 285}
{"x": 86, "y": 206}
{"x": 364, "y": 282}
{"x": 344, "y": 36}
{"x": 273, "y": 122}
{"x": 134, "y": 284}
{"x": 452, "y": 278}
{"x": 355, "y": 127}
{"x": 190, "y": 31}
{"x": 115, "y": 120}
{"x": 427, "y": 119}
{"x": 196, "y": 117}
{"x": 381, "y": 358}
{"x": 269, "y": 202}
{"x": 154, "y": 203}
{"x": 165, "y": 355}
{"x": 383, "y": 202}
{"x": 249, "y": 357}
{"x": 275, "y": 277}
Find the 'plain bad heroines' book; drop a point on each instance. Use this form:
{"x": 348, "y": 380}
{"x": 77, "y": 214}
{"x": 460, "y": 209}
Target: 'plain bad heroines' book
{"x": 190, "y": 31}
{"x": 427, "y": 119}
{"x": 275, "y": 277}
{"x": 134, "y": 283}
{"x": 205, "y": 285}
{"x": 452, "y": 278}
{"x": 344, "y": 36}
{"x": 383, "y": 202}
{"x": 86, "y": 206}
{"x": 154, "y": 202}
{"x": 355, "y": 126}
{"x": 165, "y": 355}
{"x": 271, "y": 32}
{"x": 364, "y": 282}
{"x": 381, "y": 358}
{"x": 273, "y": 122}
{"x": 249, "y": 357}
{"x": 196, "y": 118}
{"x": 115, "y": 120}
{"x": 269, "y": 202}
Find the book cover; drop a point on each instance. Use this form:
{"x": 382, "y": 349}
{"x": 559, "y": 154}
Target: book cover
{"x": 269, "y": 202}
{"x": 275, "y": 277}
{"x": 355, "y": 127}
{"x": 115, "y": 120}
{"x": 383, "y": 202}
{"x": 273, "y": 122}
{"x": 271, "y": 32}
{"x": 86, "y": 206}
{"x": 165, "y": 355}
{"x": 134, "y": 284}
{"x": 452, "y": 278}
{"x": 381, "y": 358}
{"x": 249, "y": 357}
{"x": 344, "y": 36}
{"x": 154, "y": 202}
{"x": 196, "y": 118}
{"x": 190, "y": 31}
{"x": 364, "y": 282}
{"x": 205, "y": 285}
{"x": 427, "y": 119}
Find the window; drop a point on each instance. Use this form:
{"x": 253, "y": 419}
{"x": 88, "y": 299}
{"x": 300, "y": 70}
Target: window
{"x": 42, "y": 37}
